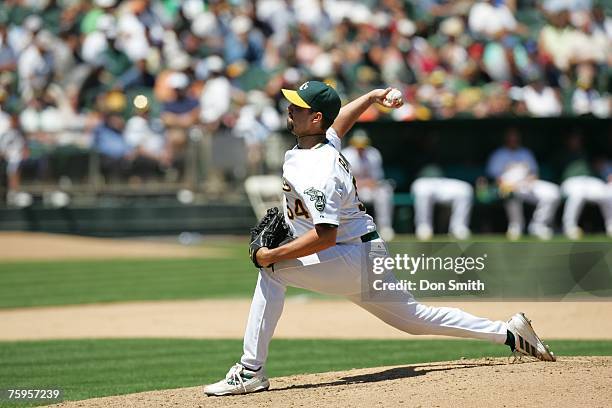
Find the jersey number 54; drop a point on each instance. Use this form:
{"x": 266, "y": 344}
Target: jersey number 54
{"x": 298, "y": 210}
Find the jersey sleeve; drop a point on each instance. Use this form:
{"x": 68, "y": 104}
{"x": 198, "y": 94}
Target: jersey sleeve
{"x": 333, "y": 138}
{"x": 323, "y": 201}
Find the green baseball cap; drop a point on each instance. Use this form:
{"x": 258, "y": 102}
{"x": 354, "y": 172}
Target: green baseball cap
{"x": 317, "y": 96}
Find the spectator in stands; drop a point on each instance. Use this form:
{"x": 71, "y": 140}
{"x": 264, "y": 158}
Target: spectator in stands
{"x": 515, "y": 170}
{"x": 257, "y": 119}
{"x": 491, "y": 19}
{"x": 541, "y": 100}
{"x": 217, "y": 93}
{"x": 366, "y": 164}
{"x": 8, "y": 55}
{"x": 431, "y": 188}
{"x": 586, "y": 99}
{"x": 35, "y": 66}
{"x": 131, "y": 32}
{"x": 556, "y": 40}
{"x": 114, "y": 151}
{"x": 137, "y": 76}
{"x": 453, "y": 54}
{"x": 40, "y": 122}
{"x": 145, "y": 137}
{"x": 602, "y": 24}
{"x": 12, "y": 151}
{"x": 243, "y": 42}
{"x": 179, "y": 114}
{"x": 27, "y": 156}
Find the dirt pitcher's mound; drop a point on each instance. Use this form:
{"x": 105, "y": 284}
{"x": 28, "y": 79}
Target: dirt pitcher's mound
{"x": 575, "y": 381}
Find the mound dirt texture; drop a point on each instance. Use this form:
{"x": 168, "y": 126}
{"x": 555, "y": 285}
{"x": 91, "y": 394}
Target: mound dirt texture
{"x": 578, "y": 381}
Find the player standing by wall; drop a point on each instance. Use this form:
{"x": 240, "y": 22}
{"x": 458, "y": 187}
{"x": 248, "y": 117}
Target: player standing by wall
{"x": 366, "y": 166}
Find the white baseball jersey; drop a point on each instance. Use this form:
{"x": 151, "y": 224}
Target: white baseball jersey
{"x": 319, "y": 188}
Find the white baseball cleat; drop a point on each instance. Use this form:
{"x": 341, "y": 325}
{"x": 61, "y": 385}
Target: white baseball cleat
{"x": 460, "y": 233}
{"x": 526, "y": 340}
{"x": 541, "y": 232}
{"x": 239, "y": 380}
{"x": 387, "y": 233}
{"x": 424, "y": 232}
{"x": 514, "y": 232}
{"x": 573, "y": 233}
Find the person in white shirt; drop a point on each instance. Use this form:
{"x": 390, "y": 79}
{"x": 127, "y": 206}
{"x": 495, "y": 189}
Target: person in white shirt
{"x": 366, "y": 164}
{"x": 216, "y": 95}
{"x": 334, "y": 240}
{"x": 541, "y": 100}
{"x": 490, "y": 18}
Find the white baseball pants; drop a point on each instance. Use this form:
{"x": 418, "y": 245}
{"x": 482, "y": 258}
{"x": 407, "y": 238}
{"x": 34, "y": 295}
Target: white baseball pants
{"x": 382, "y": 197}
{"x": 545, "y": 195}
{"x": 337, "y": 271}
{"x": 428, "y": 191}
{"x": 582, "y": 189}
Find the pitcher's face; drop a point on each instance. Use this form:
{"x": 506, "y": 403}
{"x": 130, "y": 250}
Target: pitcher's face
{"x": 302, "y": 121}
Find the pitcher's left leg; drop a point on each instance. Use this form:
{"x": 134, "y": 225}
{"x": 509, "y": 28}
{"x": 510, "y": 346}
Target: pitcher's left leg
{"x": 413, "y": 317}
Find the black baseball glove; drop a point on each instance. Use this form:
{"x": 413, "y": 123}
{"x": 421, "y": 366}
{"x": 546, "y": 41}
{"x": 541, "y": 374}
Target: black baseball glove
{"x": 271, "y": 232}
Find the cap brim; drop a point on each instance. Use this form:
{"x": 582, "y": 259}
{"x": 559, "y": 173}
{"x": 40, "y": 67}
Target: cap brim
{"x": 294, "y": 98}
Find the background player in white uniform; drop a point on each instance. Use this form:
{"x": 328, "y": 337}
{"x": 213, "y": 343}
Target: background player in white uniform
{"x": 366, "y": 166}
{"x": 579, "y": 190}
{"x": 431, "y": 188}
{"x": 332, "y": 229}
{"x": 516, "y": 172}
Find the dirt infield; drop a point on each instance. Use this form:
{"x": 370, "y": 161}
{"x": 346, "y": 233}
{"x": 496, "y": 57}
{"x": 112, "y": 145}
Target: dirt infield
{"x": 20, "y": 246}
{"x": 302, "y": 318}
{"x": 456, "y": 384}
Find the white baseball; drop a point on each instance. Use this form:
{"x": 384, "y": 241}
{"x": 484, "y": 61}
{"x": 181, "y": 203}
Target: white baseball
{"x": 393, "y": 97}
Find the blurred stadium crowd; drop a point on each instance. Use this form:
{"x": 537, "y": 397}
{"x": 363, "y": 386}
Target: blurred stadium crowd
{"x": 129, "y": 81}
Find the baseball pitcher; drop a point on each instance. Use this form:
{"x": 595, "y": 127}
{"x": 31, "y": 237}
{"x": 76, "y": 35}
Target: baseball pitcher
{"x": 325, "y": 238}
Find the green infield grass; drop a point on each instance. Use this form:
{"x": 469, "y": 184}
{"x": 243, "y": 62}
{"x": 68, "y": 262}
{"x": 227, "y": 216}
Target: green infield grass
{"x": 94, "y": 368}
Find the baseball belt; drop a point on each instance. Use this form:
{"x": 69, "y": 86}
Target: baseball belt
{"x": 370, "y": 236}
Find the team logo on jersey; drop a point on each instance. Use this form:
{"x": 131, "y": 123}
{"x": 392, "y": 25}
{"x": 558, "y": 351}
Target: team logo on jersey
{"x": 318, "y": 197}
